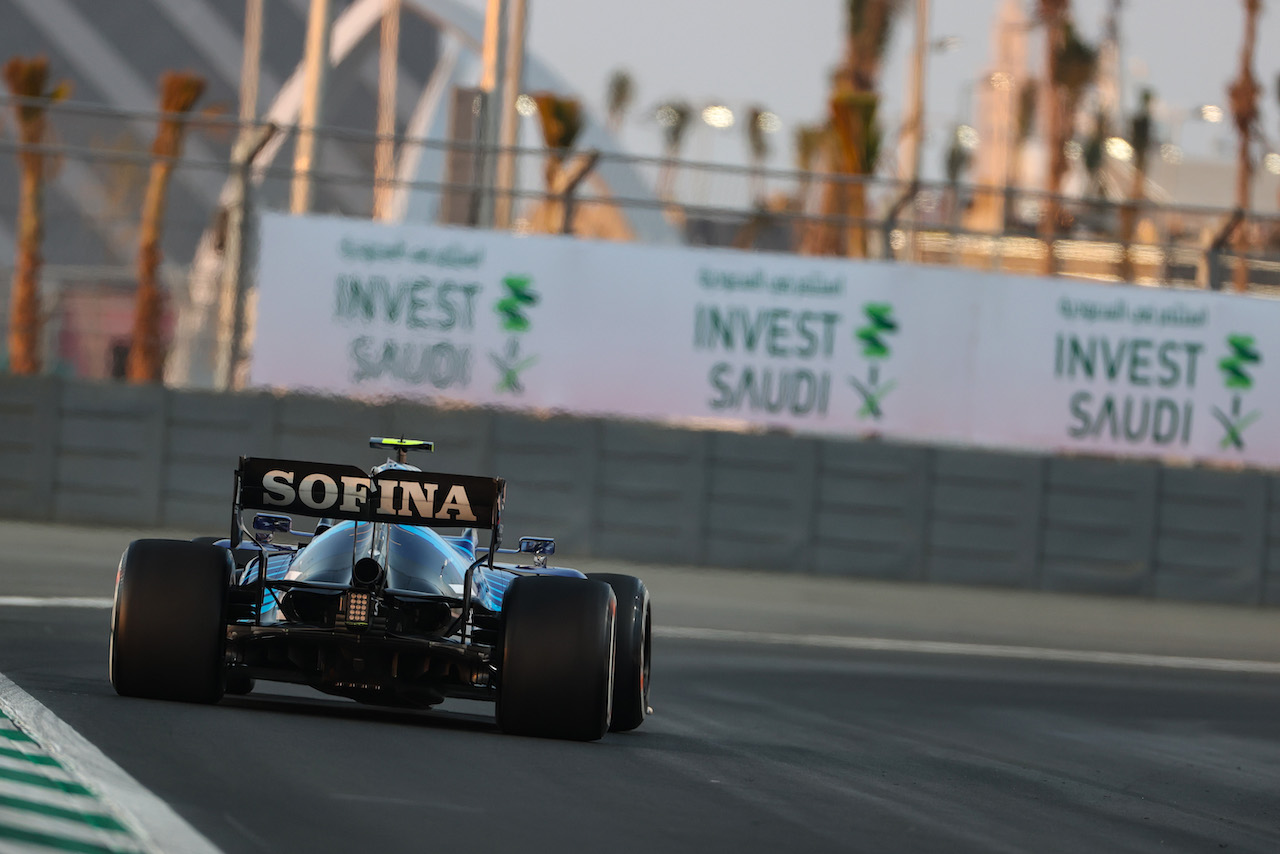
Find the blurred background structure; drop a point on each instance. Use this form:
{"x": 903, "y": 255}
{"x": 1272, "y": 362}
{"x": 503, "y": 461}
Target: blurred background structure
{"x": 434, "y": 111}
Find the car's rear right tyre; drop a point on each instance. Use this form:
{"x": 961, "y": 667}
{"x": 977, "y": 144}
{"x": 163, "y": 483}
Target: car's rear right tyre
{"x": 556, "y": 678}
{"x": 632, "y": 643}
{"x": 168, "y": 623}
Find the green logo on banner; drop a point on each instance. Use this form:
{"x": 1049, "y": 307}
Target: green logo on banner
{"x": 510, "y": 365}
{"x": 1243, "y": 354}
{"x": 512, "y": 309}
{"x": 880, "y": 323}
{"x": 875, "y": 348}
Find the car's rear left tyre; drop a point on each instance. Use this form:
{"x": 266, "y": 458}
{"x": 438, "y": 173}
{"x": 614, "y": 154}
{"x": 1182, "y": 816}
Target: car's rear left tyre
{"x": 631, "y": 650}
{"x": 556, "y": 678}
{"x": 168, "y": 623}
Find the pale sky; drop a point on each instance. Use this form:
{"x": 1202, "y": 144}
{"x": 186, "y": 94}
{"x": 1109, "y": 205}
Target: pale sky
{"x": 779, "y": 55}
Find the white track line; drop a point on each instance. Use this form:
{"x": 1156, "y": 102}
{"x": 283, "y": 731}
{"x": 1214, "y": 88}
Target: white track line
{"x": 157, "y": 825}
{"x": 56, "y": 601}
{"x": 1029, "y": 653}
{"x": 982, "y": 650}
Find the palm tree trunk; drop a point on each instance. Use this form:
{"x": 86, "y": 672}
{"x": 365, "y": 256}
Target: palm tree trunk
{"x": 1244, "y": 180}
{"x": 857, "y": 240}
{"x": 26, "y": 79}
{"x": 178, "y": 94}
{"x": 1054, "y": 13}
{"x": 1129, "y": 219}
{"x": 755, "y": 183}
{"x": 146, "y": 355}
{"x": 24, "y": 305}
{"x": 823, "y": 236}
{"x": 1244, "y": 106}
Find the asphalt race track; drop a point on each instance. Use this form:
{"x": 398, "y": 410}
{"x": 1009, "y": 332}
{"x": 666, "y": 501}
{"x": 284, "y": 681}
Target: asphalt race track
{"x": 791, "y": 714}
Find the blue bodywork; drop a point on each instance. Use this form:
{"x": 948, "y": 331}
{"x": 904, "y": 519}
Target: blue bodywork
{"x": 416, "y": 560}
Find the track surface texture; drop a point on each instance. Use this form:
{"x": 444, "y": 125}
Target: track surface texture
{"x": 767, "y": 734}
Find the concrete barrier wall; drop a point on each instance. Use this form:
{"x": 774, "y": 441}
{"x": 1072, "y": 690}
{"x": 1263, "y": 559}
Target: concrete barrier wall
{"x": 81, "y": 452}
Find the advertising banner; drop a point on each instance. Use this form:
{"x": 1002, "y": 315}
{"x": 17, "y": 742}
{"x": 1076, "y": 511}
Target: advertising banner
{"x": 815, "y": 345}
{"x": 1128, "y": 371}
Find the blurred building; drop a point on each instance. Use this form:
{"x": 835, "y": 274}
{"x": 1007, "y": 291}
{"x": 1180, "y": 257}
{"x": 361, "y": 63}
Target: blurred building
{"x": 114, "y": 53}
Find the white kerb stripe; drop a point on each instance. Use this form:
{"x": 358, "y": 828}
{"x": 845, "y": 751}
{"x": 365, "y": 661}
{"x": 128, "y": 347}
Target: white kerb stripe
{"x": 155, "y": 822}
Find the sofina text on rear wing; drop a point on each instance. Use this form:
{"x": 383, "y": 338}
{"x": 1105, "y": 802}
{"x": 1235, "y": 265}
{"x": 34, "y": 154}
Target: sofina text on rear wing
{"x": 345, "y": 492}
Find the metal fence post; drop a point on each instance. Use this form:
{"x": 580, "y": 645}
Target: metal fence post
{"x": 234, "y": 291}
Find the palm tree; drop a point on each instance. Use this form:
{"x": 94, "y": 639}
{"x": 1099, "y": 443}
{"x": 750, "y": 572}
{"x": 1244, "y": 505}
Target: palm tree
{"x": 1140, "y": 139}
{"x": 853, "y": 148}
{"x": 1026, "y": 120}
{"x": 868, "y": 26}
{"x": 561, "y": 122}
{"x": 854, "y": 144}
{"x": 179, "y": 92}
{"x": 619, "y": 97}
{"x": 1093, "y": 153}
{"x": 959, "y": 157}
{"x": 1077, "y": 69}
{"x": 1071, "y": 66}
{"x": 27, "y": 81}
{"x": 808, "y": 142}
{"x": 1244, "y": 109}
{"x": 1053, "y": 14}
{"x": 1277, "y": 98}
{"x": 758, "y": 143}
{"x": 674, "y": 118}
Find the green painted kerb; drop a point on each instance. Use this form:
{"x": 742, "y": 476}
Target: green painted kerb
{"x": 39, "y": 801}
{"x": 92, "y": 819}
{"x": 57, "y": 843}
{"x": 33, "y": 758}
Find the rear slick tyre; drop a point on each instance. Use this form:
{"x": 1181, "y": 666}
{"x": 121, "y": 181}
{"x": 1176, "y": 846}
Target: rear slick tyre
{"x": 556, "y": 679}
{"x": 631, "y": 652}
{"x": 168, "y": 623}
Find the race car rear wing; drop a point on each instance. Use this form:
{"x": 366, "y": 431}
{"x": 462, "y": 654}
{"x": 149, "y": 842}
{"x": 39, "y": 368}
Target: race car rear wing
{"x": 393, "y": 495}
{"x": 346, "y": 492}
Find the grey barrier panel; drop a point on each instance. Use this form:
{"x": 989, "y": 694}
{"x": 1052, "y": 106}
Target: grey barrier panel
{"x": 1271, "y": 574}
{"x": 651, "y": 488}
{"x": 1099, "y": 526}
{"x": 550, "y": 467}
{"x": 28, "y": 426}
{"x": 111, "y": 452}
{"x": 984, "y": 518}
{"x": 760, "y": 510}
{"x": 205, "y": 439}
{"x": 332, "y": 429}
{"x": 872, "y": 510}
{"x": 116, "y": 453}
{"x": 1211, "y": 541}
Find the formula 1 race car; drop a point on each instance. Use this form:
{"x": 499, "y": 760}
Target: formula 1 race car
{"x": 380, "y": 606}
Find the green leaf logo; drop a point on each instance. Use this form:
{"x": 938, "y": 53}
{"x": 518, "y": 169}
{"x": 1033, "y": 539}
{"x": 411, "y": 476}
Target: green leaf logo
{"x": 510, "y": 365}
{"x": 880, "y": 323}
{"x": 1243, "y": 353}
{"x": 512, "y": 307}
